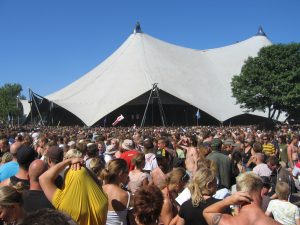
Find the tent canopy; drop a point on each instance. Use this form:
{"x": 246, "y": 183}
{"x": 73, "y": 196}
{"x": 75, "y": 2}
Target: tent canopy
{"x": 199, "y": 77}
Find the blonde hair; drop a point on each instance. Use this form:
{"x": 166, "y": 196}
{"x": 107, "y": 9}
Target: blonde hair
{"x": 96, "y": 166}
{"x": 9, "y": 196}
{"x": 282, "y": 190}
{"x": 73, "y": 153}
{"x": 249, "y": 182}
{"x": 202, "y": 184}
{"x": 203, "y": 151}
{"x": 7, "y": 157}
{"x": 113, "y": 169}
{"x": 176, "y": 176}
{"x": 206, "y": 163}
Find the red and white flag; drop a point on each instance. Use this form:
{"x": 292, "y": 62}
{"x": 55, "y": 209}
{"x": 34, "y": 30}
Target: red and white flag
{"x": 120, "y": 118}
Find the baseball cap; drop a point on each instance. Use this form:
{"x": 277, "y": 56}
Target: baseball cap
{"x": 127, "y": 144}
{"x": 216, "y": 144}
{"x": 229, "y": 141}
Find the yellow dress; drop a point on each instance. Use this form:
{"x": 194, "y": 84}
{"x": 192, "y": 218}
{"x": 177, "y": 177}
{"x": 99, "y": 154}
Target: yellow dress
{"x": 82, "y": 198}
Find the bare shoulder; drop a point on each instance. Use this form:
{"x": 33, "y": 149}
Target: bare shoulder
{"x": 105, "y": 188}
{"x": 5, "y": 182}
{"x": 255, "y": 217}
{"x": 268, "y": 220}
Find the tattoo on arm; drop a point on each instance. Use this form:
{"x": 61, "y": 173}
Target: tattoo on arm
{"x": 216, "y": 219}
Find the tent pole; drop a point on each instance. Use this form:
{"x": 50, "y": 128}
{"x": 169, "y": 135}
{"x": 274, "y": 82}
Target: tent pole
{"x": 145, "y": 112}
{"x": 30, "y": 106}
{"x": 37, "y": 108}
{"x": 161, "y": 110}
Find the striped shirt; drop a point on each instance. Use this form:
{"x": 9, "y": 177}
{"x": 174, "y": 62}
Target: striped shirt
{"x": 268, "y": 149}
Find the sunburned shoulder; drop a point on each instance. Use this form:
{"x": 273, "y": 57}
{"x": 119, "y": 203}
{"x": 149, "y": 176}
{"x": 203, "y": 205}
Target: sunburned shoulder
{"x": 254, "y": 217}
{"x": 249, "y": 219}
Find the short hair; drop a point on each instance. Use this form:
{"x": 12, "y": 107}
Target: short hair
{"x": 80, "y": 146}
{"x": 73, "y": 153}
{"x": 91, "y": 150}
{"x": 206, "y": 134}
{"x": 164, "y": 140}
{"x": 260, "y": 156}
{"x": 282, "y": 190}
{"x": 266, "y": 136}
{"x": 25, "y": 155}
{"x": 147, "y": 203}
{"x": 138, "y": 160}
{"x": 257, "y": 147}
{"x": 48, "y": 217}
{"x": 148, "y": 144}
{"x": 249, "y": 182}
{"x": 273, "y": 160}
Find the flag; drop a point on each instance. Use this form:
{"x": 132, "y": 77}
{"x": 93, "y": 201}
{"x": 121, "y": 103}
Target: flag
{"x": 9, "y": 117}
{"x": 198, "y": 114}
{"x": 120, "y": 118}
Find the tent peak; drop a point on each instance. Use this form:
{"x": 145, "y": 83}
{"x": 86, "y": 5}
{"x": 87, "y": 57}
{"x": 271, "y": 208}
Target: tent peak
{"x": 260, "y": 32}
{"x": 137, "y": 28}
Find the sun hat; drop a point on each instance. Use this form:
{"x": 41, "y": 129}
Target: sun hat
{"x": 127, "y": 144}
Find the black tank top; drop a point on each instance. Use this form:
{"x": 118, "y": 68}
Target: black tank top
{"x": 15, "y": 180}
{"x": 246, "y": 155}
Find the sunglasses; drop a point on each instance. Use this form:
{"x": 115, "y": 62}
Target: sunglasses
{"x": 185, "y": 178}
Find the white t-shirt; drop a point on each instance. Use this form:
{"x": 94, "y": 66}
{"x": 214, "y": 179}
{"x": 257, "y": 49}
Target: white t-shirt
{"x": 283, "y": 212}
{"x": 150, "y": 161}
{"x": 262, "y": 170}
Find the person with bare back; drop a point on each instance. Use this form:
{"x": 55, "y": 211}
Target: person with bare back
{"x": 248, "y": 199}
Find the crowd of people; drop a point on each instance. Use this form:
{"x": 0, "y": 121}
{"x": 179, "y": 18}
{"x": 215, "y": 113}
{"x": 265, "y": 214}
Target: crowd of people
{"x": 155, "y": 175}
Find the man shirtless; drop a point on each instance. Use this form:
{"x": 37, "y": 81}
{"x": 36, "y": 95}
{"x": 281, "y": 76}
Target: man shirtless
{"x": 191, "y": 158}
{"x": 292, "y": 152}
{"x": 248, "y": 198}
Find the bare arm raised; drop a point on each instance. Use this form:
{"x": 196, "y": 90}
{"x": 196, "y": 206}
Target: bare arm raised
{"x": 47, "y": 179}
{"x": 213, "y": 213}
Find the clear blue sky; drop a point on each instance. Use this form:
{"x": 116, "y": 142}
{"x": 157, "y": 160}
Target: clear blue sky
{"x": 47, "y": 44}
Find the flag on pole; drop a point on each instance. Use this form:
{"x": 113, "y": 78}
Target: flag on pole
{"x": 198, "y": 114}
{"x": 120, "y": 118}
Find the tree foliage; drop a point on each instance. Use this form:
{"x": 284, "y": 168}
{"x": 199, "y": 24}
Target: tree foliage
{"x": 270, "y": 81}
{"x": 9, "y": 94}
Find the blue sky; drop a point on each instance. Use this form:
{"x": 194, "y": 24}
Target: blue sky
{"x": 47, "y": 44}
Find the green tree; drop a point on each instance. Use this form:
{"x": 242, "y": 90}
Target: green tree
{"x": 271, "y": 81}
{"x": 9, "y": 95}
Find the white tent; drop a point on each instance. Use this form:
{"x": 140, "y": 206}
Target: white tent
{"x": 199, "y": 77}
